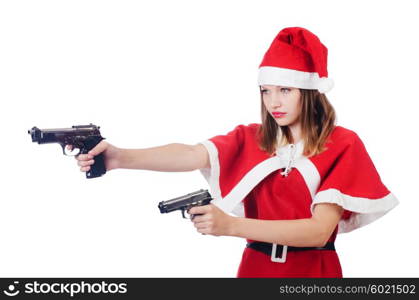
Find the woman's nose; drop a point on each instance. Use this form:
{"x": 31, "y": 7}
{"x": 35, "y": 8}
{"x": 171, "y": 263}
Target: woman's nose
{"x": 275, "y": 101}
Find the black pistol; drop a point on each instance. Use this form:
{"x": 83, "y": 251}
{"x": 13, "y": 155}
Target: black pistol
{"x": 183, "y": 203}
{"x": 83, "y": 137}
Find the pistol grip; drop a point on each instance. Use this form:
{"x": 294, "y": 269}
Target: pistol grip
{"x": 98, "y": 168}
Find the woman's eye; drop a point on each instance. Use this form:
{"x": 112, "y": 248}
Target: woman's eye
{"x": 264, "y": 91}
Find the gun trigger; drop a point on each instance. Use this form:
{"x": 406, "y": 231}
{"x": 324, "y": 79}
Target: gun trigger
{"x": 183, "y": 214}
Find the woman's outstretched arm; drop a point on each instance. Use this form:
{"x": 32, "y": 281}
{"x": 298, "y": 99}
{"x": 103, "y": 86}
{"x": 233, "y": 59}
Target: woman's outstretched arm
{"x": 168, "y": 158}
{"x": 173, "y": 157}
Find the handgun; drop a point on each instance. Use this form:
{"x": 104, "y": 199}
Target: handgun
{"x": 183, "y": 203}
{"x": 82, "y": 137}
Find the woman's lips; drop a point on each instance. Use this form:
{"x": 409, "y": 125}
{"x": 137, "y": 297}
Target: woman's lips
{"x": 278, "y": 114}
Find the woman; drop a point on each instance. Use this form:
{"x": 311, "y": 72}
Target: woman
{"x": 294, "y": 181}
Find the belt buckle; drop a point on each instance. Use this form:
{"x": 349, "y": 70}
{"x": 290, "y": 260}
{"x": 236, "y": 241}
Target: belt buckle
{"x": 283, "y": 257}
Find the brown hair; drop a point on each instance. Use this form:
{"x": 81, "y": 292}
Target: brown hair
{"x": 317, "y": 118}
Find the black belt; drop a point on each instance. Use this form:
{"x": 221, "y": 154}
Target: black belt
{"x": 267, "y": 248}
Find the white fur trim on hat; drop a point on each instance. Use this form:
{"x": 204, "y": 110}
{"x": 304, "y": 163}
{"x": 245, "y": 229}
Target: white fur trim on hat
{"x": 294, "y": 78}
{"x": 325, "y": 84}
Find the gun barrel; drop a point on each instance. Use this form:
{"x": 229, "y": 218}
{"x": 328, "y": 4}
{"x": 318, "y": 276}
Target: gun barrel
{"x": 55, "y": 135}
{"x": 35, "y": 133}
{"x": 200, "y": 197}
{"x": 185, "y": 197}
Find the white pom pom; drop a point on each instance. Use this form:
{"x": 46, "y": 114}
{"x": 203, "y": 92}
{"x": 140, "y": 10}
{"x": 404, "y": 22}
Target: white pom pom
{"x": 325, "y": 84}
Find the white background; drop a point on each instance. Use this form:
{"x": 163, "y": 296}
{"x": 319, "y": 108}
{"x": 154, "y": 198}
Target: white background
{"x": 157, "y": 72}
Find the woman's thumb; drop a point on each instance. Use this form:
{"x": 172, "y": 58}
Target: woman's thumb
{"x": 99, "y": 148}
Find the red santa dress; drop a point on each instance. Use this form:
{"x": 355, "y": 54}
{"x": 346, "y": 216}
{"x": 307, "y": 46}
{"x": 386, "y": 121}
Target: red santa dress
{"x": 247, "y": 181}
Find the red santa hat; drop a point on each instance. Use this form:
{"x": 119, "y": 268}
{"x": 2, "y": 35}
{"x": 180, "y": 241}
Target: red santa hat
{"x": 296, "y": 58}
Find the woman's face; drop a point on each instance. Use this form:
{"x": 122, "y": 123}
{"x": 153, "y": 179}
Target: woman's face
{"x": 282, "y": 99}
